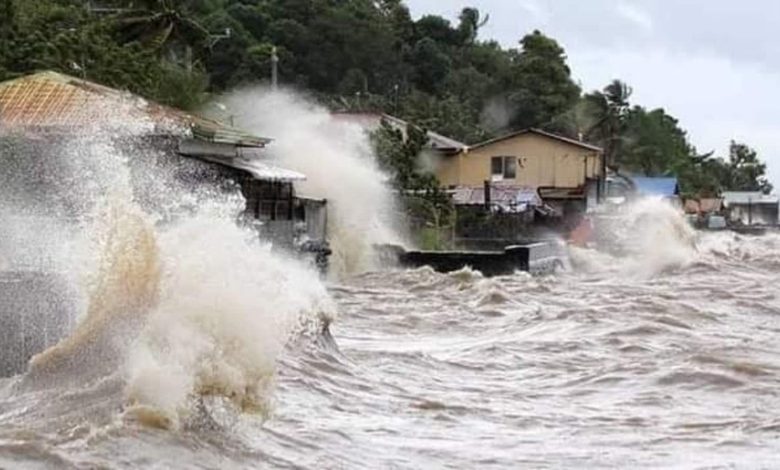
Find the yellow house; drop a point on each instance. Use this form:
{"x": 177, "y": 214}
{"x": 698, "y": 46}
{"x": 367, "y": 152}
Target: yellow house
{"x": 558, "y": 167}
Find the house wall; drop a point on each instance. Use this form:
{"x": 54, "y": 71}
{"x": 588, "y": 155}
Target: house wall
{"x": 542, "y": 162}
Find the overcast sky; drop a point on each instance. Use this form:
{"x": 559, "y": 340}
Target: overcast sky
{"x": 713, "y": 65}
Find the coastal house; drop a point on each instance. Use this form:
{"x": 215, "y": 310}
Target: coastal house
{"x": 750, "y": 208}
{"x": 49, "y": 106}
{"x": 565, "y": 172}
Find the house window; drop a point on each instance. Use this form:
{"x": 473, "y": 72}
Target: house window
{"x": 503, "y": 168}
{"x": 510, "y": 168}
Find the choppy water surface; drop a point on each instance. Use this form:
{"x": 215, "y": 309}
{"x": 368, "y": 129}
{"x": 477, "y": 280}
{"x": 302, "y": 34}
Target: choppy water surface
{"x": 200, "y": 347}
{"x": 620, "y": 363}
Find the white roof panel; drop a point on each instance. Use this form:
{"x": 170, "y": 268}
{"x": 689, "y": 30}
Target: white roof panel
{"x": 749, "y": 197}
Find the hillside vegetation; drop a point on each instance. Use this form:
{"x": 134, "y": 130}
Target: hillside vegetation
{"x": 367, "y": 55}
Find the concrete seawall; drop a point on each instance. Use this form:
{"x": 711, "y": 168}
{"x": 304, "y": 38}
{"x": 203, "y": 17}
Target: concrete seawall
{"x": 536, "y": 258}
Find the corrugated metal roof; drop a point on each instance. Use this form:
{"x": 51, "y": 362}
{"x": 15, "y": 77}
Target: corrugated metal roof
{"x": 372, "y": 121}
{"x": 49, "y": 101}
{"x": 267, "y": 172}
{"x": 257, "y": 168}
{"x": 649, "y": 186}
{"x": 435, "y": 141}
{"x": 749, "y": 197}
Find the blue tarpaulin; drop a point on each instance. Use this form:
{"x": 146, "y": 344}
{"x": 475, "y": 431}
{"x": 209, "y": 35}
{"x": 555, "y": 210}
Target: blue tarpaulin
{"x": 664, "y": 187}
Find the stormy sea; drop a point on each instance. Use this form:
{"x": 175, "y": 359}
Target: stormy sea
{"x": 196, "y": 345}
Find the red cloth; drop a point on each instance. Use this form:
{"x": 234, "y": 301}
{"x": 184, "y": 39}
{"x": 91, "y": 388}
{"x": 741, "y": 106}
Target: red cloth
{"x": 582, "y": 234}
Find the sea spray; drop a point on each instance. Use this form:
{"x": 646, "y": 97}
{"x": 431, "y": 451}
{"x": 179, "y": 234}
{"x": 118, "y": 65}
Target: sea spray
{"x": 644, "y": 238}
{"x": 227, "y": 309}
{"x": 126, "y": 286}
{"x": 338, "y": 161}
{"x": 182, "y": 302}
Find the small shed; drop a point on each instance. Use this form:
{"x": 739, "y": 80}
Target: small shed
{"x": 751, "y": 208}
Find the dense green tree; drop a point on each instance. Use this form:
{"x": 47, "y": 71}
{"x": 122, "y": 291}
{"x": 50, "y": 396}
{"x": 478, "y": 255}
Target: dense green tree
{"x": 652, "y": 143}
{"x": 438, "y": 29}
{"x": 7, "y": 33}
{"x": 431, "y": 63}
{"x": 701, "y": 176}
{"x": 708, "y": 176}
{"x": 542, "y": 87}
{"x": 164, "y": 25}
{"x": 745, "y": 171}
{"x": 66, "y": 38}
{"x": 360, "y": 55}
{"x": 7, "y": 17}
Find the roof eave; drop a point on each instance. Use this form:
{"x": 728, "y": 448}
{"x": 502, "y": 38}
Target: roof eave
{"x": 540, "y": 132}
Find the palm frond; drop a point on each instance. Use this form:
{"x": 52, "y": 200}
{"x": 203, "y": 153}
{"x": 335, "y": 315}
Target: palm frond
{"x": 162, "y": 36}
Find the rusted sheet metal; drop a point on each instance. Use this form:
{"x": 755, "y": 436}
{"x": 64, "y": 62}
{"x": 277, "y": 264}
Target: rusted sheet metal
{"x": 53, "y": 102}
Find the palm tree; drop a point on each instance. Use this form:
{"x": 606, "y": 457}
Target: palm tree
{"x": 470, "y": 22}
{"x": 609, "y": 109}
{"x": 163, "y": 25}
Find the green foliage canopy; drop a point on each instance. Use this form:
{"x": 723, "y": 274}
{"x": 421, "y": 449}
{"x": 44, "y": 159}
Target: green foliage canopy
{"x": 359, "y": 55}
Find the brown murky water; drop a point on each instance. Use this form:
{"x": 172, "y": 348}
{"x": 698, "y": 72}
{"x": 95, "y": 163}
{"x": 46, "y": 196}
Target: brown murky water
{"x": 659, "y": 361}
{"x": 199, "y": 347}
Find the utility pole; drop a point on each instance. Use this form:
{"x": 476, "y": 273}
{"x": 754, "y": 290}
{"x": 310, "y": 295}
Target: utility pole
{"x": 274, "y": 69}
{"x": 396, "y": 89}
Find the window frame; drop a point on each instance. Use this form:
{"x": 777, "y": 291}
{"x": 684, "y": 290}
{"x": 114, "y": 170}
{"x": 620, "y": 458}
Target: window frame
{"x": 493, "y": 172}
{"x": 503, "y": 161}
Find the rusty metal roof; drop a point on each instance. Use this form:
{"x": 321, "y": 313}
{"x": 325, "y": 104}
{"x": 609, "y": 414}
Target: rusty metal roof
{"x": 50, "y": 101}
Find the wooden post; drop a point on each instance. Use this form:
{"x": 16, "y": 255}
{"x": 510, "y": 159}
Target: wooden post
{"x": 274, "y": 68}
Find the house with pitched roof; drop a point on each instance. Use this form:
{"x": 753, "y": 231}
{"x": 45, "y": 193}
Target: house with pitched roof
{"x": 48, "y": 106}
{"x": 565, "y": 172}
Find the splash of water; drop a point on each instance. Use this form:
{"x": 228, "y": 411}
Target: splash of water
{"x": 127, "y": 283}
{"x": 646, "y": 238}
{"x": 338, "y": 160}
{"x": 227, "y": 308}
{"x": 182, "y": 303}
